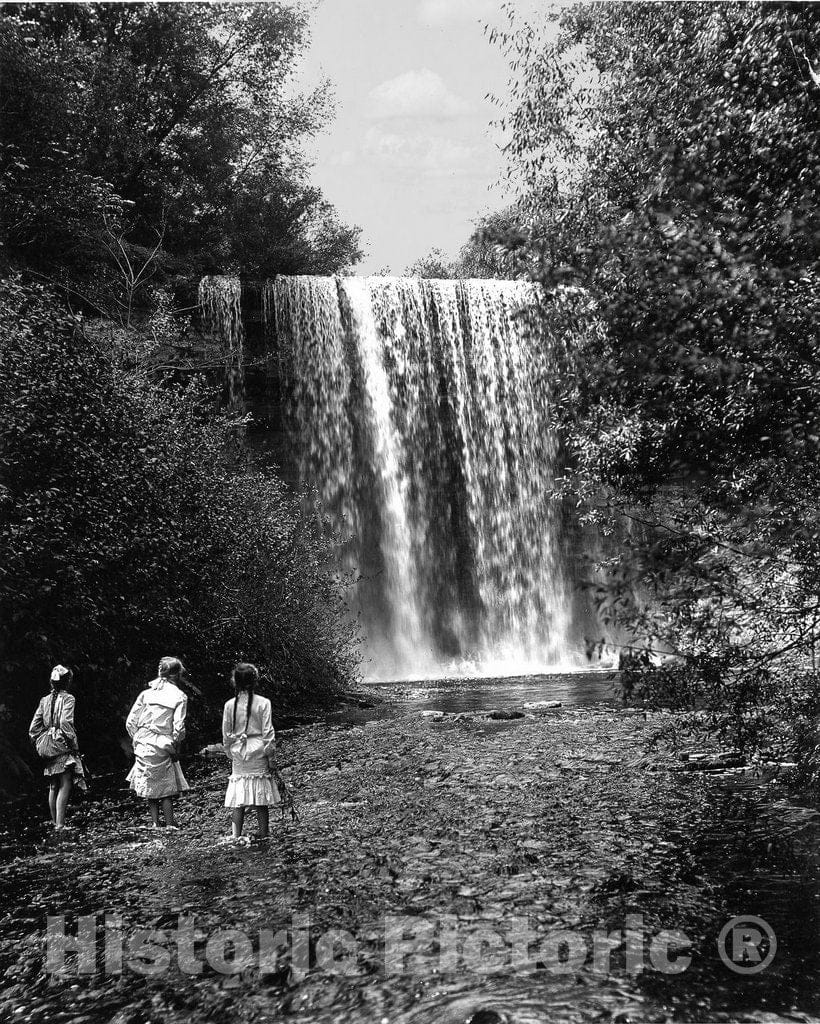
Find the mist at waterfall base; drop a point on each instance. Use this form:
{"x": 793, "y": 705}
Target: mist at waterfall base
{"x": 418, "y": 414}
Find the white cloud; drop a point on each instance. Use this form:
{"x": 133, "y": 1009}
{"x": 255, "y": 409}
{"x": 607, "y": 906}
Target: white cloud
{"x": 421, "y": 93}
{"x": 419, "y": 153}
{"x": 343, "y": 158}
{"x": 441, "y": 12}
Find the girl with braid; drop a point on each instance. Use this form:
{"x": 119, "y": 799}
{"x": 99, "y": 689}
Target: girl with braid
{"x": 249, "y": 741}
{"x": 52, "y": 731}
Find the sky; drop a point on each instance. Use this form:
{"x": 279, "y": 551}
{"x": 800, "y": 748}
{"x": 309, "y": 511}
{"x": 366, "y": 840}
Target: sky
{"x": 410, "y": 155}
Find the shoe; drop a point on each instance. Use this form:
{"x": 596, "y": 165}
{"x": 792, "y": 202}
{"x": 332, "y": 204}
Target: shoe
{"x": 172, "y": 828}
{"x": 64, "y": 828}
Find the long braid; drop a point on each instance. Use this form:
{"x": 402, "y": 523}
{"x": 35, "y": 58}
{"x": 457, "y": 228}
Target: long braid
{"x": 249, "y": 692}
{"x": 244, "y": 678}
{"x": 60, "y": 679}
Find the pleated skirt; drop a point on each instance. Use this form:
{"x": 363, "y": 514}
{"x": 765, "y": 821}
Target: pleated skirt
{"x": 251, "y": 784}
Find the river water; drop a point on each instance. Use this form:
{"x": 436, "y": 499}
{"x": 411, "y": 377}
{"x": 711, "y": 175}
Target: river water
{"x": 757, "y": 851}
{"x": 459, "y": 694}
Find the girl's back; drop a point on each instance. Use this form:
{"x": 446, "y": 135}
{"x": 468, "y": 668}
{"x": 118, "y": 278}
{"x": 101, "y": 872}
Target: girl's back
{"x": 247, "y": 731}
{"x": 249, "y": 740}
{"x": 241, "y": 721}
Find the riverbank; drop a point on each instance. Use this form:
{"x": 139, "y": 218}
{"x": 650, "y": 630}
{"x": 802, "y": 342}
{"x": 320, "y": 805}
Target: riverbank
{"x": 458, "y": 861}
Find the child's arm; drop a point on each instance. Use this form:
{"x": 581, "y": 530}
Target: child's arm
{"x": 178, "y": 726}
{"x": 38, "y": 725}
{"x": 226, "y": 728}
{"x": 132, "y": 723}
{"x": 268, "y": 736}
{"x": 66, "y": 722}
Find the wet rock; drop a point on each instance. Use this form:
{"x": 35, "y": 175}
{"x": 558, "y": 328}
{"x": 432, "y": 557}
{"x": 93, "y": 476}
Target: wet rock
{"x": 704, "y": 762}
{"x": 362, "y": 699}
{"x": 504, "y": 781}
{"x": 124, "y": 1017}
{"x": 487, "y": 1017}
{"x": 213, "y": 750}
{"x": 503, "y": 714}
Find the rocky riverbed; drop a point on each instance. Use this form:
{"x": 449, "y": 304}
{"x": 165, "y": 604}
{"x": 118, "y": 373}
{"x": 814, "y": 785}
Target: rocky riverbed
{"x": 444, "y": 868}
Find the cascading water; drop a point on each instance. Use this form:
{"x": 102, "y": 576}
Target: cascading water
{"x": 420, "y": 412}
{"x": 220, "y": 300}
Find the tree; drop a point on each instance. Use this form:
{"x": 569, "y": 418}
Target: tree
{"x": 434, "y": 265}
{"x": 485, "y": 254}
{"x": 175, "y": 121}
{"x": 671, "y": 164}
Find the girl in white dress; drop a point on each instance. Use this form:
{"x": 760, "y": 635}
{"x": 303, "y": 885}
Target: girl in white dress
{"x": 250, "y": 742}
{"x": 64, "y": 768}
{"x": 156, "y": 725}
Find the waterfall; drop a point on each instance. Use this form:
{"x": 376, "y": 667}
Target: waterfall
{"x": 220, "y": 302}
{"x": 420, "y": 414}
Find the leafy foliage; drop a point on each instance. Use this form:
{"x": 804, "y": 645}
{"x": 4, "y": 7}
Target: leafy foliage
{"x": 434, "y": 265}
{"x": 482, "y": 256}
{"x": 671, "y": 165}
{"x": 169, "y": 122}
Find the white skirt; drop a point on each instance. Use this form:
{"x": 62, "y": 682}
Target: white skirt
{"x": 252, "y": 791}
{"x": 155, "y": 775}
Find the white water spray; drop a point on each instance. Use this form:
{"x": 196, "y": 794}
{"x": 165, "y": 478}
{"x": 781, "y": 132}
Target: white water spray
{"x": 421, "y": 414}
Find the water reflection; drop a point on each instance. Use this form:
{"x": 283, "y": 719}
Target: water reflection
{"x": 461, "y": 694}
